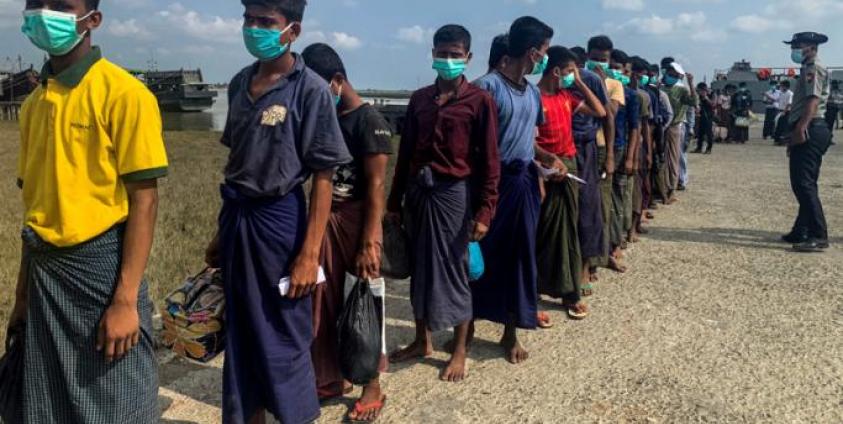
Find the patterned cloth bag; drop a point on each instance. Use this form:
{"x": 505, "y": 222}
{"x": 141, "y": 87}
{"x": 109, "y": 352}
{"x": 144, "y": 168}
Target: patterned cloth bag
{"x": 193, "y": 315}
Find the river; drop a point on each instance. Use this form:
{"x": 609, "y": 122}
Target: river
{"x": 211, "y": 120}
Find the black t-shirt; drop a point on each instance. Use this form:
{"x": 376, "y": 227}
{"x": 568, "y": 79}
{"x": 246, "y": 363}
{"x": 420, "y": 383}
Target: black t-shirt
{"x": 706, "y": 108}
{"x": 366, "y": 132}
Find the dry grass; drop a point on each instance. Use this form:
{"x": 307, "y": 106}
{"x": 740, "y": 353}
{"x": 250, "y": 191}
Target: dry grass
{"x": 186, "y": 219}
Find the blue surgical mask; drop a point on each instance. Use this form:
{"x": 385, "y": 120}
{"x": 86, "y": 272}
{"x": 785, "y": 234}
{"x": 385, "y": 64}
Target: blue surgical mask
{"x": 624, "y": 80}
{"x": 591, "y": 65}
{"x": 449, "y": 69}
{"x": 645, "y": 79}
{"x": 670, "y": 80}
{"x": 796, "y": 56}
{"x": 51, "y": 31}
{"x": 540, "y": 67}
{"x": 265, "y": 44}
{"x": 568, "y": 81}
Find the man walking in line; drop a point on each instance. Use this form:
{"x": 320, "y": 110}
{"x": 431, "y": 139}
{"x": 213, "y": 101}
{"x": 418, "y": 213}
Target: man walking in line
{"x": 681, "y": 98}
{"x": 90, "y": 156}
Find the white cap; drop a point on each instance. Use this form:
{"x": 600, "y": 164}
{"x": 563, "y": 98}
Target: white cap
{"x": 678, "y": 68}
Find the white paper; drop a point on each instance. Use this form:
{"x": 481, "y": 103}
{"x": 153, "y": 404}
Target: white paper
{"x": 284, "y": 284}
{"x": 546, "y": 173}
{"x": 577, "y": 179}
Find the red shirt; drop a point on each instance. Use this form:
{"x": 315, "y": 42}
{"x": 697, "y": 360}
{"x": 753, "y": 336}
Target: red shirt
{"x": 456, "y": 140}
{"x": 557, "y": 134}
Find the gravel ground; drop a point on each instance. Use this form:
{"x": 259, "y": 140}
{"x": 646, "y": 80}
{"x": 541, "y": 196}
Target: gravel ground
{"x": 715, "y": 322}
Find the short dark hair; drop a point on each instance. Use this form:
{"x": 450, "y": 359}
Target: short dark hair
{"x": 654, "y": 68}
{"x": 527, "y": 33}
{"x": 600, "y": 42}
{"x": 558, "y": 56}
{"x": 293, "y": 10}
{"x": 580, "y": 53}
{"x": 620, "y": 56}
{"x": 786, "y": 84}
{"x": 702, "y": 86}
{"x": 639, "y": 65}
{"x": 667, "y": 61}
{"x": 742, "y": 84}
{"x": 453, "y": 34}
{"x": 500, "y": 46}
{"x": 323, "y": 60}
{"x": 92, "y": 4}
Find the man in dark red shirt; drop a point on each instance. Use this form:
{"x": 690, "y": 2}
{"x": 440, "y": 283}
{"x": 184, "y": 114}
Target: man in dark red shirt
{"x": 558, "y": 253}
{"x": 447, "y": 179}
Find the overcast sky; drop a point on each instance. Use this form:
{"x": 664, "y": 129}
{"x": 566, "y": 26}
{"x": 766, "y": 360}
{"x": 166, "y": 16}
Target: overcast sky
{"x": 386, "y": 43}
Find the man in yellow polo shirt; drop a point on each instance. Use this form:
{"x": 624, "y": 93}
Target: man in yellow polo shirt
{"x": 91, "y": 152}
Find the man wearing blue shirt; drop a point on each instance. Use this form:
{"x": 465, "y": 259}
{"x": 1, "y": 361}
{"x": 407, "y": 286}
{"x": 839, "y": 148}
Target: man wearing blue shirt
{"x": 282, "y": 129}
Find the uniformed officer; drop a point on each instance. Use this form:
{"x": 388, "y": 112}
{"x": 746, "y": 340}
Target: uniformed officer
{"x": 810, "y": 138}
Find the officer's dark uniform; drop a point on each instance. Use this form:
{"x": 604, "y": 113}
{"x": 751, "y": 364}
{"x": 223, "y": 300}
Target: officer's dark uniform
{"x": 810, "y": 232}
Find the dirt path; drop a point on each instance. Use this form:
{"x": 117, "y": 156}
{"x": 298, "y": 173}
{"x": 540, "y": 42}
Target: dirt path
{"x": 716, "y": 322}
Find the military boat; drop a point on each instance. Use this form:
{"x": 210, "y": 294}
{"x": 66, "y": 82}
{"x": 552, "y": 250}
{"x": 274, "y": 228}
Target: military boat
{"x": 758, "y": 79}
{"x": 15, "y": 86}
{"x": 179, "y": 91}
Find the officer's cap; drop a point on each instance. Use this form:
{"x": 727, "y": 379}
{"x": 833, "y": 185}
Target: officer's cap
{"x": 810, "y": 38}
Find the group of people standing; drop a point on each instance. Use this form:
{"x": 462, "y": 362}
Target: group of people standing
{"x": 779, "y": 100}
{"x": 553, "y": 180}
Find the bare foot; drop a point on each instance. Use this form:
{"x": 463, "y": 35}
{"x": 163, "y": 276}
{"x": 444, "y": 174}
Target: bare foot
{"x": 372, "y": 395}
{"x": 633, "y": 238}
{"x": 671, "y": 201}
{"x": 515, "y": 353}
{"x": 456, "y": 371}
{"x": 618, "y": 254}
{"x": 419, "y": 349}
{"x": 616, "y": 266}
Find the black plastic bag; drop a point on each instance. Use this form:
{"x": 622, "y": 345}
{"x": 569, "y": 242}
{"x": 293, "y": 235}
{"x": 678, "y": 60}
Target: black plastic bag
{"x": 395, "y": 261}
{"x": 360, "y": 336}
{"x": 11, "y": 377}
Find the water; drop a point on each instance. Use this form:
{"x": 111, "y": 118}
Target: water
{"x": 211, "y": 120}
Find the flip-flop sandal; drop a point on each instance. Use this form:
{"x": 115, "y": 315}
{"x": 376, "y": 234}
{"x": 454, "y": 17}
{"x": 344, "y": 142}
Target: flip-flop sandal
{"x": 360, "y": 409}
{"x": 544, "y": 320}
{"x": 587, "y": 290}
{"x": 573, "y": 314}
{"x": 650, "y": 215}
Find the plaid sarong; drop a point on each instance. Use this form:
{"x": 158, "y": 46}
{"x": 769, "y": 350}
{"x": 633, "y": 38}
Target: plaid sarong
{"x": 65, "y": 379}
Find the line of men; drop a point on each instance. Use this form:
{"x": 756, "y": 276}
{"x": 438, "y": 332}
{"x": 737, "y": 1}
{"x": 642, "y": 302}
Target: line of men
{"x": 492, "y": 161}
